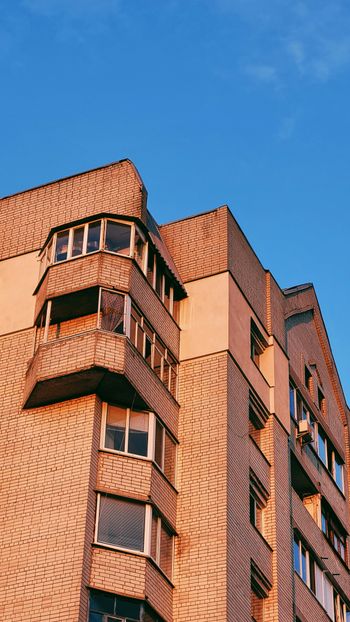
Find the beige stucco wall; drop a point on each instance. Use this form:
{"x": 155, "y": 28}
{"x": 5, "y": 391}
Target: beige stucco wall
{"x": 18, "y": 279}
{"x": 204, "y": 317}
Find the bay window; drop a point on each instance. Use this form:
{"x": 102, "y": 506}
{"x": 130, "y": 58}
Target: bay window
{"x": 114, "y": 236}
{"x": 132, "y": 526}
{"x": 139, "y": 433}
{"x": 106, "y": 607}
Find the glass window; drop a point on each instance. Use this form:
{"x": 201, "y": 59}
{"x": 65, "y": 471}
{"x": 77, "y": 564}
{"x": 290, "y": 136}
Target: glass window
{"x": 303, "y": 564}
{"x": 93, "y": 237}
{"x": 322, "y": 446}
{"x": 150, "y": 266}
{"x": 292, "y": 401}
{"x": 159, "y": 444}
{"x": 127, "y": 430}
{"x": 148, "y": 343}
{"x": 154, "y": 536}
{"x": 166, "y": 550}
{"x": 139, "y": 248}
{"x": 159, "y": 279}
{"x": 138, "y": 433}
{"x": 296, "y": 556}
{"x": 112, "y": 311}
{"x": 62, "y": 246}
{"x": 78, "y": 238}
{"x": 338, "y": 475}
{"x": 118, "y": 237}
{"x": 115, "y": 428}
{"x": 121, "y": 523}
{"x": 167, "y": 292}
{"x": 169, "y": 458}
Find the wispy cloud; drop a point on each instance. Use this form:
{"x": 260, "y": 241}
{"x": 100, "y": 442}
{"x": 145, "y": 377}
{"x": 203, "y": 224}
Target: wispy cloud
{"x": 287, "y": 128}
{"x": 309, "y": 39}
{"x": 262, "y": 73}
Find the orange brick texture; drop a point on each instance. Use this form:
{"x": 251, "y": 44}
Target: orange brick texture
{"x": 27, "y": 217}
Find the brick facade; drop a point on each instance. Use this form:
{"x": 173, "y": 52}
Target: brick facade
{"x": 252, "y": 478}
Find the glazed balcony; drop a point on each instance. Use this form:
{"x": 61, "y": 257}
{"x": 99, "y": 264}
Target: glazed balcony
{"x": 104, "y": 269}
{"x": 96, "y": 341}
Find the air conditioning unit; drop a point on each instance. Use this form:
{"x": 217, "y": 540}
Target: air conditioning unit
{"x": 305, "y": 431}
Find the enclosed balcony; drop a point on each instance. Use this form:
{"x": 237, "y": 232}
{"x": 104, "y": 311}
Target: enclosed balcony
{"x": 97, "y": 341}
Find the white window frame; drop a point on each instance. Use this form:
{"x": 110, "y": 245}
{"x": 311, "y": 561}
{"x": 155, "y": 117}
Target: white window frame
{"x": 151, "y": 444}
{"x": 150, "y": 440}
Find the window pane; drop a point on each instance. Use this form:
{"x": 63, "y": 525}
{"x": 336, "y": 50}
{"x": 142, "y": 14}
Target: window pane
{"x": 167, "y": 293}
{"x": 112, "y": 311}
{"x": 303, "y": 565}
{"x": 159, "y": 279}
{"x": 139, "y": 250}
{"x": 154, "y": 534}
{"x": 148, "y": 343}
{"x": 169, "y": 458}
{"x": 166, "y": 373}
{"x": 61, "y": 246}
{"x": 296, "y": 556}
{"x": 158, "y": 452}
{"x": 115, "y": 428}
{"x": 140, "y": 339}
{"x": 338, "y": 473}
{"x": 138, "y": 433}
{"x": 78, "y": 236}
{"x": 95, "y": 617}
{"x": 121, "y": 523}
{"x": 93, "y": 239}
{"x": 328, "y": 597}
{"x": 292, "y": 402}
{"x": 321, "y": 445}
{"x": 157, "y": 363}
{"x": 150, "y": 265}
{"x": 252, "y": 510}
{"x": 100, "y": 601}
{"x": 166, "y": 551}
{"x": 118, "y": 237}
{"x": 324, "y": 522}
{"x": 127, "y": 608}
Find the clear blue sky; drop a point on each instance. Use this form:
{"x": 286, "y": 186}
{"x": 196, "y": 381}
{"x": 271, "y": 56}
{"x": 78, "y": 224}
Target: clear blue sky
{"x": 244, "y": 102}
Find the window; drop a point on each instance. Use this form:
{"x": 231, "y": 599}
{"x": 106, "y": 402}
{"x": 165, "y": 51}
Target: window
{"x": 257, "y": 343}
{"x": 153, "y": 350}
{"x": 330, "y": 458}
{"x": 133, "y": 526}
{"x": 311, "y": 573}
{"x": 104, "y": 607}
{"x": 321, "y": 401}
{"x": 308, "y": 380}
{"x": 121, "y": 523}
{"x": 139, "y": 433}
{"x": 112, "y": 311}
{"x": 292, "y": 401}
{"x": 114, "y": 236}
{"x": 333, "y": 530}
{"x": 258, "y": 497}
{"x": 127, "y": 430}
{"x": 162, "y": 545}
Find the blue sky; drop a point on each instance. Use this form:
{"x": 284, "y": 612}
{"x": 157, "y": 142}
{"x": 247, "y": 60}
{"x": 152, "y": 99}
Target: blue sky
{"x": 216, "y": 101}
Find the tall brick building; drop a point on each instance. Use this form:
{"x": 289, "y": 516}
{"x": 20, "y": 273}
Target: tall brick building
{"x": 174, "y": 436}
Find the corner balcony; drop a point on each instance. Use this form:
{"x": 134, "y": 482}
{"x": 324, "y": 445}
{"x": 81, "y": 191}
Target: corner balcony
{"x": 96, "y": 362}
{"x": 90, "y": 342}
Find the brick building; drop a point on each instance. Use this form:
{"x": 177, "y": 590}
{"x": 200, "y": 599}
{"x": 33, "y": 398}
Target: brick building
{"x": 174, "y": 432}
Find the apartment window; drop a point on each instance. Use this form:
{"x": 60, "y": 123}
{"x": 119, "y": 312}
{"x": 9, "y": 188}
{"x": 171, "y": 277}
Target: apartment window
{"x": 118, "y": 237}
{"x": 127, "y": 430}
{"x": 257, "y": 343}
{"x": 308, "y": 379}
{"x": 153, "y": 350}
{"x": 292, "y": 401}
{"x": 333, "y": 530}
{"x": 114, "y": 236}
{"x": 258, "y": 497}
{"x": 330, "y": 458}
{"x": 162, "y": 545}
{"x": 139, "y": 433}
{"x": 112, "y": 311}
{"x": 105, "y": 607}
{"x": 132, "y": 526}
{"x": 121, "y": 523}
{"x": 316, "y": 579}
